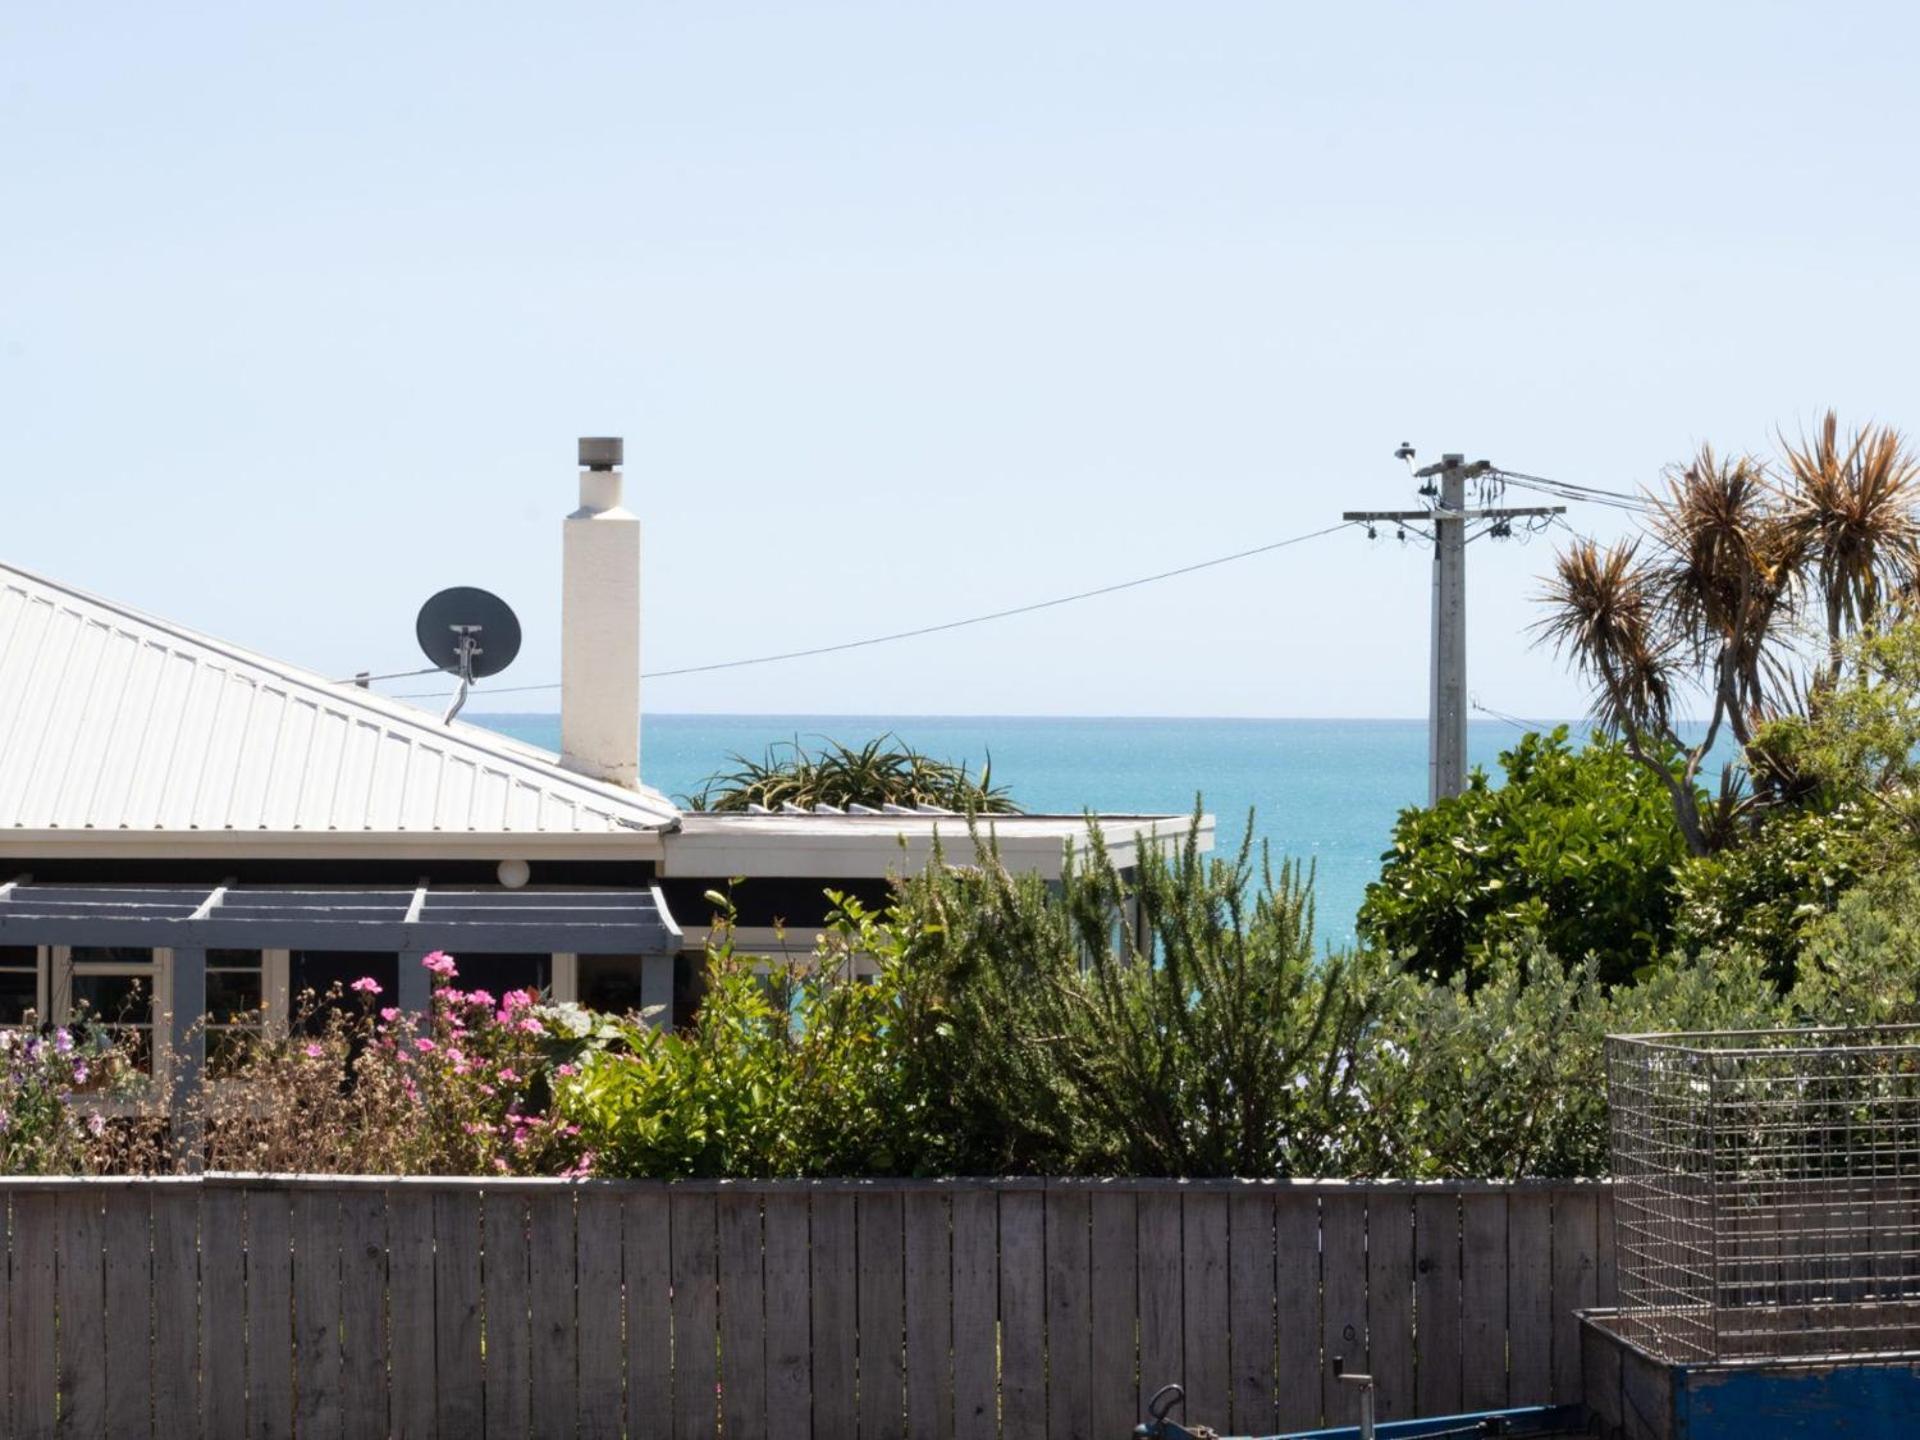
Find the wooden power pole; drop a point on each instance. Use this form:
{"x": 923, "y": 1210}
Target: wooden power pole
{"x": 1449, "y": 516}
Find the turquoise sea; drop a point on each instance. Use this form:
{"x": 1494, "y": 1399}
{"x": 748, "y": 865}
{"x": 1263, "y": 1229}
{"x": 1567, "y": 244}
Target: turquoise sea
{"x": 1324, "y": 791}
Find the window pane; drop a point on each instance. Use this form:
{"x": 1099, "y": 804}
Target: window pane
{"x": 18, "y": 957}
{"x": 114, "y": 997}
{"x": 233, "y": 959}
{"x": 17, "y": 995}
{"x": 501, "y": 973}
{"x": 110, "y": 955}
{"x": 233, "y": 996}
{"x": 610, "y": 983}
{"x": 318, "y": 971}
{"x": 228, "y": 1050}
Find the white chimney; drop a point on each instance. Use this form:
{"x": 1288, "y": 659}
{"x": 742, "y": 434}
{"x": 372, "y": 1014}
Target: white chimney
{"x": 600, "y": 625}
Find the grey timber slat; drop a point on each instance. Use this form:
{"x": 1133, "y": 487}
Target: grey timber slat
{"x": 789, "y": 1321}
{"x": 1296, "y": 1246}
{"x": 363, "y": 1312}
{"x": 316, "y": 1313}
{"x": 269, "y": 1314}
{"x": 1575, "y": 1284}
{"x": 460, "y": 1382}
{"x": 1115, "y": 1306}
{"x": 1023, "y": 1315}
{"x": 646, "y": 1249}
{"x": 1161, "y": 1287}
{"x": 976, "y": 1308}
{"x": 743, "y": 1338}
{"x": 929, "y": 1295}
{"x": 602, "y": 1409}
{"x": 223, "y": 1324}
{"x": 1204, "y": 1280}
{"x": 31, "y": 1318}
{"x": 695, "y": 1321}
{"x": 1530, "y": 1297}
{"x": 410, "y": 1311}
{"x": 1390, "y": 1303}
{"x": 1482, "y": 1297}
{"x": 1252, "y": 1340}
{"x": 835, "y": 1317}
{"x": 1607, "y": 1277}
{"x": 1069, "y": 1315}
{"x": 882, "y": 1293}
{"x": 1437, "y": 1289}
{"x": 1343, "y": 1299}
{"x": 176, "y": 1309}
{"x": 555, "y": 1337}
{"x": 83, "y": 1341}
{"x": 128, "y": 1354}
{"x": 506, "y": 1282}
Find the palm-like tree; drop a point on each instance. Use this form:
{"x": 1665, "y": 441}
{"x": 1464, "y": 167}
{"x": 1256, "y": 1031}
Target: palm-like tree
{"x": 1709, "y": 597}
{"x": 1851, "y": 511}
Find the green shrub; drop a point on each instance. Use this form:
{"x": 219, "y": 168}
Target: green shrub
{"x": 1577, "y": 847}
{"x": 788, "y": 1070}
{"x": 1762, "y": 894}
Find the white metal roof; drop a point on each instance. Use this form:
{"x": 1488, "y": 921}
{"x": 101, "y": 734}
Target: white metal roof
{"x": 113, "y": 721}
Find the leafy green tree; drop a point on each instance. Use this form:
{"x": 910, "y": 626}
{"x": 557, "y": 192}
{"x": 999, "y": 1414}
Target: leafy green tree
{"x": 883, "y": 771}
{"x": 1578, "y": 847}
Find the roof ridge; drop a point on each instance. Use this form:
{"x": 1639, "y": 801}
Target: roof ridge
{"x": 507, "y": 750}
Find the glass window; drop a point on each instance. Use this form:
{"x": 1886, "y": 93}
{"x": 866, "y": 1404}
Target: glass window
{"x": 501, "y": 973}
{"x": 115, "y": 987}
{"x": 318, "y": 979}
{"x": 610, "y": 983}
{"x": 236, "y": 997}
{"x": 19, "y": 983}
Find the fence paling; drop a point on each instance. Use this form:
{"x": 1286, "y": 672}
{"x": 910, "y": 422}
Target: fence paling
{"x": 316, "y": 1307}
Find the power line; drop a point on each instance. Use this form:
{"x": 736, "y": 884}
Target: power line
{"x": 946, "y": 625}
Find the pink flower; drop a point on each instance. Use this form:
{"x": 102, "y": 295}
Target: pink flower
{"x": 390, "y": 1014}
{"x": 441, "y": 964}
{"x": 529, "y": 1026}
{"x": 425, "y": 1046}
{"x": 96, "y": 1125}
{"x": 481, "y": 998}
{"x": 516, "y": 1000}
{"x": 509, "y": 1076}
{"x": 566, "y": 1070}
{"x": 316, "y": 1052}
{"x": 366, "y": 985}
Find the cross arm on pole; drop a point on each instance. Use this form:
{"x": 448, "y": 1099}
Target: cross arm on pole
{"x": 1440, "y": 512}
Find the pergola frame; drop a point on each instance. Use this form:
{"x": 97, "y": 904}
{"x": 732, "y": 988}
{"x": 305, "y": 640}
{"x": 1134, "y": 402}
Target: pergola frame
{"x": 190, "y": 920}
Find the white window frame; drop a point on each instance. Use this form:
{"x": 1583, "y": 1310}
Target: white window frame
{"x": 42, "y": 1002}
{"x": 160, "y": 1033}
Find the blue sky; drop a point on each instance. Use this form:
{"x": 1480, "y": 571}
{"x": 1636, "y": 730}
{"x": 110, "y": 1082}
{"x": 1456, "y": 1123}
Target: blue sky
{"x": 910, "y": 312}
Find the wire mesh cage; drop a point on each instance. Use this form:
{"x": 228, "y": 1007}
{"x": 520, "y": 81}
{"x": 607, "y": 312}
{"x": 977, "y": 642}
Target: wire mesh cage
{"x": 1767, "y": 1192}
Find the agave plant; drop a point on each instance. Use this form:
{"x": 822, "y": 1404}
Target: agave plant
{"x": 883, "y": 771}
{"x": 1709, "y": 602}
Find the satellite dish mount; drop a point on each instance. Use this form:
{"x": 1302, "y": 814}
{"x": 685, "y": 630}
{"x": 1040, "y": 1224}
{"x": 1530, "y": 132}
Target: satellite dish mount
{"x": 468, "y": 633}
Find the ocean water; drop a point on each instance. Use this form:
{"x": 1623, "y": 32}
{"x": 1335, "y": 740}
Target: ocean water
{"x": 1323, "y": 791}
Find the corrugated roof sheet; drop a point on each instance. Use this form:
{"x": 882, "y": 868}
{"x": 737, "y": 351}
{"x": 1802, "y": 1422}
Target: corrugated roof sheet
{"x": 113, "y": 720}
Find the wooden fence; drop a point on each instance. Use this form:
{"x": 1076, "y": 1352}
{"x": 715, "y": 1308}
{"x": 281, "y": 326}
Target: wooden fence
{"x": 1034, "y": 1310}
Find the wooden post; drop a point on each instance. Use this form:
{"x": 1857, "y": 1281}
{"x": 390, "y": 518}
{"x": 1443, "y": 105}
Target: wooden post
{"x": 415, "y": 984}
{"x": 187, "y": 1052}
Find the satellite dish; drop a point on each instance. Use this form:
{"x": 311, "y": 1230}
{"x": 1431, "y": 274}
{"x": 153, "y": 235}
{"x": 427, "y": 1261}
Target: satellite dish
{"x": 470, "y": 633}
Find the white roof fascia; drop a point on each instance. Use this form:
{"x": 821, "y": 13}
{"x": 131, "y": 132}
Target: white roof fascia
{"x": 874, "y": 847}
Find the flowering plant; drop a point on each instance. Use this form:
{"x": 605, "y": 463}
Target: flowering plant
{"x": 43, "y": 1130}
{"x": 464, "y": 1089}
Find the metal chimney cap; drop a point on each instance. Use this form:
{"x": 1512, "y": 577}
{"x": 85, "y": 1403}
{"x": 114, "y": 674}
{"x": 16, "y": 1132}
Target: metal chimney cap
{"x": 602, "y": 452}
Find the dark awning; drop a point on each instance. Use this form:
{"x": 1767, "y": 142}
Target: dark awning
{"x": 579, "y": 920}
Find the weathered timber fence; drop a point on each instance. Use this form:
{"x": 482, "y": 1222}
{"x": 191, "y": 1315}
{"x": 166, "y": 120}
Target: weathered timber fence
{"x": 1033, "y": 1310}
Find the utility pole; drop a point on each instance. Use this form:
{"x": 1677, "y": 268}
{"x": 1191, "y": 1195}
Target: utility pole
{"x": 1449, "y": 516}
